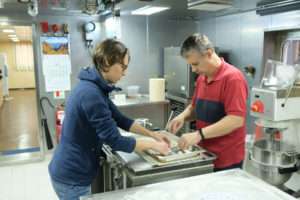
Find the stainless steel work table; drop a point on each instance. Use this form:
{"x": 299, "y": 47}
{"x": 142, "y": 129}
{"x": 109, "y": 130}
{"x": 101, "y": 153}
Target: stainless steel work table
{"x": 139, "y": 168}
{"x": 139, "y": 172}
{"x": 231, "y": 184}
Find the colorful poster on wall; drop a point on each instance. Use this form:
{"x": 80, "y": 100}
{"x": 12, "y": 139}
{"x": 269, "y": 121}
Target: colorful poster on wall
{"x": 56, "y": 61}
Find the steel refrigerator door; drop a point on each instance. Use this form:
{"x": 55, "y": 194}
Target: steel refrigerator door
{"x": 178, "y": 75}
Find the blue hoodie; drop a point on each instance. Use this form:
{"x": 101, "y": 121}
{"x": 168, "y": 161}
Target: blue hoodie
{"x": 91, "y": 120}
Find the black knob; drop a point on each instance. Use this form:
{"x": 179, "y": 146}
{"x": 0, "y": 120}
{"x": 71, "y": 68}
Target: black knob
{"x": 173, "y": 107}
{"x": 155, "y": 129}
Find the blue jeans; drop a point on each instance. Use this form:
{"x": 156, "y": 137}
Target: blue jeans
{"x": 238, "y": 165}
{"x": 70, "y": 192}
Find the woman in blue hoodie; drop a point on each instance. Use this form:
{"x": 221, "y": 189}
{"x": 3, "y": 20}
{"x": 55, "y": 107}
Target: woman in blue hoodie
{"x": 91, "y": 120}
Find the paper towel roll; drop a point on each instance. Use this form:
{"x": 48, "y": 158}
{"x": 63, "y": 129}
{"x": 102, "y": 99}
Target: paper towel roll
{"x": 157, "y": 89}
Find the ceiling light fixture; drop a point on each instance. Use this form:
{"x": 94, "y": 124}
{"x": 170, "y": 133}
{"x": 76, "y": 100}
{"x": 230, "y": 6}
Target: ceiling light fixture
{"x": 1, "y": 3}
{"x": 148, "y": 10}
{"x": 32, "y": 8}
{"x": 209, "y": 5}
{"x": 24, "y": 1}
{"x": 293, "y": 16}
{"x": 8, "y": 30}
{"x": 12, "y": 35}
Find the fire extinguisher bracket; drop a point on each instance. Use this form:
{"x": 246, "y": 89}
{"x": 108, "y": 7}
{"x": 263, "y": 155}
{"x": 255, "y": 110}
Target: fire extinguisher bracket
{"x": 59, "y": 120}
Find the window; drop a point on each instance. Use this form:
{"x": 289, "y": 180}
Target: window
{"x": 23, "y": 56}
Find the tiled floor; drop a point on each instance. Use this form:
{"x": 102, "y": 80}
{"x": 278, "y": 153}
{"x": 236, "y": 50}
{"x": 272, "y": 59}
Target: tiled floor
{"x": 26, "y": 182}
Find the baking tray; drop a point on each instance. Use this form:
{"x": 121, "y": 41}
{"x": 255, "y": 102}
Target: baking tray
{"x": 175, "y": 154}
{"x": 193, "y": 152}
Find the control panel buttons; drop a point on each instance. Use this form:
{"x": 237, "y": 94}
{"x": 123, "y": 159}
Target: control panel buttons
{"x": 257, "y": 106}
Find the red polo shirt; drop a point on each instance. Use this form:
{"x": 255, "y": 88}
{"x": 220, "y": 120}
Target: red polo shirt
{"x": 225, "y": 94}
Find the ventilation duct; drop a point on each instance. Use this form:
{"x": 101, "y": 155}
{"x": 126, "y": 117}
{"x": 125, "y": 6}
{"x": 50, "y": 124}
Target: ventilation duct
{"x": 267, "y": 7}
{"x": 209, "y": 5}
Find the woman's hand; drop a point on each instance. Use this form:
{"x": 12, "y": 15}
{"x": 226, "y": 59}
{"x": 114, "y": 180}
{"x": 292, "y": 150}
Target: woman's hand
{"x": 161, "y": 147}
{"x": 162, "y": 138}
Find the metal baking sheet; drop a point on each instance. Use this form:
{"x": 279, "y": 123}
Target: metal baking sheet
{"x": 140, "y": 163}
{"x": 155, "y": 162}
{"x": 176, "y": 154}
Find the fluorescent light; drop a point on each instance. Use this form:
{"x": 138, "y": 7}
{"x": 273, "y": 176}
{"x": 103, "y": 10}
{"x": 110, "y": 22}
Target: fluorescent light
{"x": 12, "y": 35}
{"x": 14, "y": 38}
{"x": 293, "y": 16}
{"x": 148, "y": 10}
{"x": 56, "y": 8}
{"x": 8, "y": 30}
{"x": 251, "y": 30}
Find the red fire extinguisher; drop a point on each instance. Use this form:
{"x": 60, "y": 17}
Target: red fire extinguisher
{"x": 60, "y": 115}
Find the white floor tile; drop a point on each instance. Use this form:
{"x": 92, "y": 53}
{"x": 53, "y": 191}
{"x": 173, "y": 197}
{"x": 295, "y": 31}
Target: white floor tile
{"x": 26, "y": 182}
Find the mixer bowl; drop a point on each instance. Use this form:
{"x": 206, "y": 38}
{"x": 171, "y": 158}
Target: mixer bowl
{"x": 267, "y": 158}
{"x": 270, "y": 153}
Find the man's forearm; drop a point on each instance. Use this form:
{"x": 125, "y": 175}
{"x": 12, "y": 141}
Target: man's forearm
{"x": 189, "y": 113}
{"x": 226, "y": 125}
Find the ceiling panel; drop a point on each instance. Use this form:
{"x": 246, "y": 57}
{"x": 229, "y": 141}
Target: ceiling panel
{"x": 178, "y": 8}
{"x": 24, "y": 33}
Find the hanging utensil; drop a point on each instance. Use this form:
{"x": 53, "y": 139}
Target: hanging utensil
{"x": 173, "y": 108}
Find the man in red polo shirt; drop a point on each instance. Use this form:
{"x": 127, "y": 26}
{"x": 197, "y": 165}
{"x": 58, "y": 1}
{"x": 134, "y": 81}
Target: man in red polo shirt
{"x": 218, "y": 105}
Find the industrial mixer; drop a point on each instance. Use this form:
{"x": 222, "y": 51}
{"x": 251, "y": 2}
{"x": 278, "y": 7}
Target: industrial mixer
{"x": 276, "y": 150}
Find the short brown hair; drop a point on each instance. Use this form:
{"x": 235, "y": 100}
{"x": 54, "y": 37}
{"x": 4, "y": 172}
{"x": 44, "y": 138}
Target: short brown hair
{"x": 198, "y": 43}
{"x": 111, "y": 51}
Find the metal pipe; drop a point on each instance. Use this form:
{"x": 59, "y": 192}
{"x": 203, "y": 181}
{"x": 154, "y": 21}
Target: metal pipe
{"x": 173, "y": 108}
{"x": 124, "y": 180}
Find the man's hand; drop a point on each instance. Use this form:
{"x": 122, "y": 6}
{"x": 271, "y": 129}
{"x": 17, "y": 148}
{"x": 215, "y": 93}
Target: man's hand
{"x": 160, "y": 147}
{"x": 188, "y": 139}
{"x": 175, "y": 125}
{"x": 162, "y": 138}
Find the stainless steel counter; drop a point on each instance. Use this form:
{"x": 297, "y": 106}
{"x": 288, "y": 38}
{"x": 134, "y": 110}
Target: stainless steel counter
{"x": 231, "y": 184}
{"x": 139, "y": 101}
{"x": 138, "y": 171}
{"x": 141, "y": 107}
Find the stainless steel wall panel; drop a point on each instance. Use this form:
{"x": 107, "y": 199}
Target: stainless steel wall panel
{"x": 133, "y": 35}
{"x": 146, "y": 38}
{"x": 287, "y": 19}
{"x": 165, "y": 33}
{"x": 228, "y": 37}
{"x": 251, "y": 51}
{"x": 208, "y": 27}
